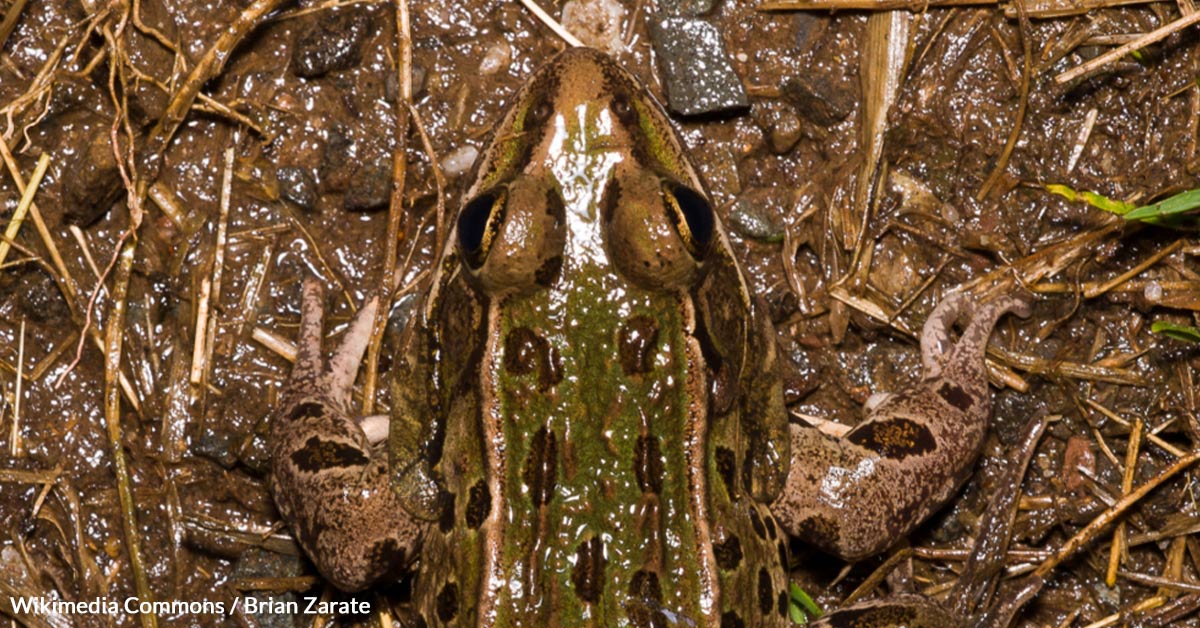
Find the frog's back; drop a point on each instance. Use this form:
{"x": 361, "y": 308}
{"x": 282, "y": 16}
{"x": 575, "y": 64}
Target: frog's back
{"x": 591, "y": 477}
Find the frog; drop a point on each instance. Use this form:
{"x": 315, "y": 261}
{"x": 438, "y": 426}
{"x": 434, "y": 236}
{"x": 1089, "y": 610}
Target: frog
{"x": 587, "y": 422}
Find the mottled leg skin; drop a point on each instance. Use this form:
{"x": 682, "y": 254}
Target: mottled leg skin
{"x": 854, "y": 496}
{"x": 330, "y": 483}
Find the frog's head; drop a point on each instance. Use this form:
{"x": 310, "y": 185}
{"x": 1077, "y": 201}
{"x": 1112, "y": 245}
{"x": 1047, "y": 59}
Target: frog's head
{"x": 585, "y": 170}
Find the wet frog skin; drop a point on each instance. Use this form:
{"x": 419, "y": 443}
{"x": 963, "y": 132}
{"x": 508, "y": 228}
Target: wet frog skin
{"x": 588, "y": 427}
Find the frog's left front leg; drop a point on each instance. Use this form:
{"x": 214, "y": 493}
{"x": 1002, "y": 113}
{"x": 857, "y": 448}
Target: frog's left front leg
{"x": 854, "y": 496}
{"x": 330, "y": 481}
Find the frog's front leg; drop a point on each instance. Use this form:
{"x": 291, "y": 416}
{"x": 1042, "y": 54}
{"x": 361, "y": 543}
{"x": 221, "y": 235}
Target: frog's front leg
{"x": 329, "y": 480}
{"x": 853, "y": 496}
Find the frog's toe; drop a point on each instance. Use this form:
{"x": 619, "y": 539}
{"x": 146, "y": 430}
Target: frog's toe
{"x": 343, "y": 367}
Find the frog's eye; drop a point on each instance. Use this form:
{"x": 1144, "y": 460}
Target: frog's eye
{"x": 512, "y": 236}
{"x": 478, "y": 224}
{"x": 692, "y": 217}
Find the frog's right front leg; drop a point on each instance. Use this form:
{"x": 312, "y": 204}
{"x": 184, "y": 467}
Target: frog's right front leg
{"x": 329, "y": 480}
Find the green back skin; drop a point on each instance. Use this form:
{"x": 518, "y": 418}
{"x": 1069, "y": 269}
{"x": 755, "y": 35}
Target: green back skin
{"x": 591, "y": 383}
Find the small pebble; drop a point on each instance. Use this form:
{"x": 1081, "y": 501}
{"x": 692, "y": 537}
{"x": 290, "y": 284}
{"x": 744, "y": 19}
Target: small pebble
{"x": 460, "y": 160}
{"x": 498, "y": 57}
{"x": 1154, "y": 292}
{"x": 597, "y": 23}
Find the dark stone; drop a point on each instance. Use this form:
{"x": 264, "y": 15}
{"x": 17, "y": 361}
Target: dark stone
{"x": 334, "y": 42}
{"x": 91, "y": 181}
{"x": 758, "y": 213}
{"x": 820, "y": 99}
{"x": 297, "y": 186}
{"x": 695, "y": 67}
{"x": 370, "y": 188}
{"x": 38, "y": 297}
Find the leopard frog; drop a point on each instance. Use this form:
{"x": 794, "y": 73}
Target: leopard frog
{"x": 587, "y": 422}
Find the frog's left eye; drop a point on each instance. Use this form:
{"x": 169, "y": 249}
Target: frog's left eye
{"x": 692, "y": 215}
{"x": 478, "y": 224}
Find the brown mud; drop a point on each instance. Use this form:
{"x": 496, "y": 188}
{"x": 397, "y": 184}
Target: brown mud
{"x": 283, "y": 167}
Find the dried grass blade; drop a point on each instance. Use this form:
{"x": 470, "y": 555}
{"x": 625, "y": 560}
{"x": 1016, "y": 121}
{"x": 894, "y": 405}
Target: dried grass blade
{"x": 112, "y": 419}
{"x": 18, "y": 217}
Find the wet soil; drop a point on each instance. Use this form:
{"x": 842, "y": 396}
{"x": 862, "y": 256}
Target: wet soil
{"x": 305, "y": 106}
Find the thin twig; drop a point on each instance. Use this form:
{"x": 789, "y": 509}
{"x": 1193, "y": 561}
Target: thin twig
{"x": 10, "y": 20}
{"x": 1027, "y": 50}
{"x": 208, "y": 67}
{"x": 391, "y": 249}
{"x": 18, "y": 217}
{"x": 1153, "y": 36}
{"x": 552, "y": 23}
{"x": 112, "y": 419}
{"x": 14, "y": 442}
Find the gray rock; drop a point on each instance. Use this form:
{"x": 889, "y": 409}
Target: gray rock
{"x": 695, "y": 67}
{"x": 758, "y": 213}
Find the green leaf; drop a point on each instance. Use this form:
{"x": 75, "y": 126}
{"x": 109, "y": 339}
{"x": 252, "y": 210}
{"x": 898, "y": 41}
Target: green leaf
{"x": 802, "y": 606}
{"x": 1098, "y": 201}
{"x": 1178, "y": 204}
{"x": 1184, "y": 333}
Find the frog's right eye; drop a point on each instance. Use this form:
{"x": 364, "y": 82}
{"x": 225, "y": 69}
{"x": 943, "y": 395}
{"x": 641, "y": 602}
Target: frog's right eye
{"x": 512, "y": 236}
{"x": 478, "y": 224}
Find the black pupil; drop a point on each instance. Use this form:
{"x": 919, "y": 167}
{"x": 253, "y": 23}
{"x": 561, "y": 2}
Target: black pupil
{"x": 697, "y": 213}
{"x": 473, "y": 222}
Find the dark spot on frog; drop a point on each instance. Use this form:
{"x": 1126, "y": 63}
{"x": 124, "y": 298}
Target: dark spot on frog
{"x": 612, "y": 193}
{"x": 645, "y": 586}
{"x": 757, "y": 523}
{"x": 479, "y": 505}
{"x": 447, "y": 602}
{"x": 817, "y": 527}
{"x": 645, "y": 600}
{"x": 445, "y": 511}
{"x": 728, "y": 553}
{"x": 896, "y": 438}
{"x": 525, "y": 351}
{"x": 636, "y": 341}
{"x": 956, "y": 396}
{"x": 783, "y": 604}
{"x": 588, "y": 573}
{"x": 783, "y": 555}
{"x": 770, "y": 521}
{"x": 730, "y": 619}
{"x": 541, "y": 467}
{"x": 306, "y": 410}
{"x": 318, "y": 454}
{"x": 648, "y": 464}
{"x": 548, "y": 272}
{"x": 766, "y": 596}
{"x": 725, "y": 466}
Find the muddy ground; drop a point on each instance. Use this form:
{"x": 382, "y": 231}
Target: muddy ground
{"x": 305, "y": 106}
